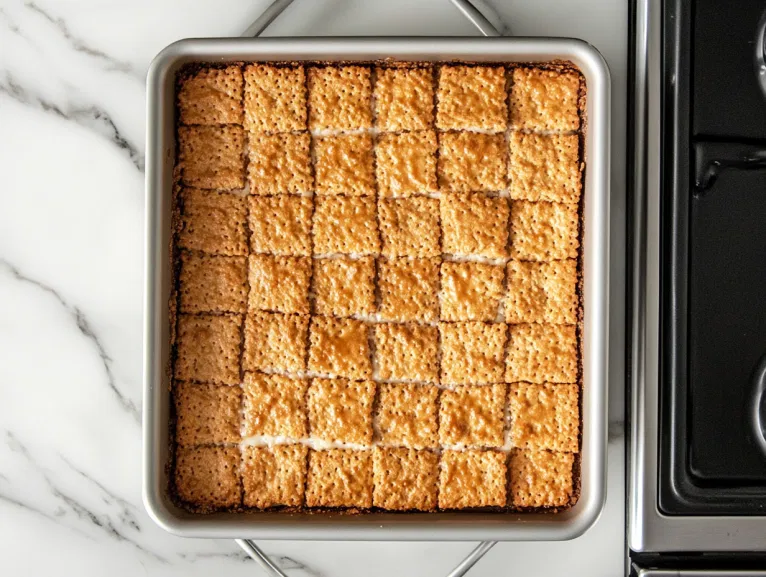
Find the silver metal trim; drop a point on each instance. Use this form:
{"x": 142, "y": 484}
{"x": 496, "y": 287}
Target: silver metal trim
{"x": 476, "y": 17}
{"x": 255, "y": 553}
{"x": 264, "y": 20}
{"x": 698, "y": 573}
{"x": 377, "y": 526}
{"x": 648, "y": 528}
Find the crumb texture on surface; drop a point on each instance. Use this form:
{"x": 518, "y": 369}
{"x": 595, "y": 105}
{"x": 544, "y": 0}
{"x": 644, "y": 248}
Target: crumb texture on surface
{"x": 377, "y": 286}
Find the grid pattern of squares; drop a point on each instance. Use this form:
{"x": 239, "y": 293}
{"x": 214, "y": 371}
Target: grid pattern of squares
{"x": 378, "y": 287}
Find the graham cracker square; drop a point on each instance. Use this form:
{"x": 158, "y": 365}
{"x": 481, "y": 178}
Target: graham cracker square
{"x": 344, "y": 165}
{"x": 471, "y": 97}
{"x": 275, "y": 98}
{"x": 409, "y": 227}
{"x": 472, "y": 479}
{"x": 207, "y": 348}
{"x": 275, "y": 341}
{"x": 279, "y": 283}
{"x": 212, "y": 156}
{"x": 544, "y": 230}
{"x": 212, "y": 283}
{"x": 545, "y": 167}
{"x": 340, "y": 98}
{"x": 472, "y": 353}
{"x": 474, "y": 224}
{"x": 545, "y": 99}
{"x": 208, "y": 477}
{"x": 405, "y": 479}
{"x": 211, "y": 96}
{"x": 542, "y": 353}
{"x": 339, "y": 478}
{"x": 472, "y": 162}
{"x": 470, "y": 291}
{"x": 340, "y": 411}
{"x": 542, "y": 292}
{"x": 409, "y": 289}
{"x": 407, "y": 415}
{"x": 404, "y": 99}
{"x": 405, "y": 164}
{"x": 407, "y": 352}
{"x": 472, "y": 415}
{"x": 213, "y": 222}
{"x": 340, "y": 348}
{"x": 207, "y": 414}
{"x": 541, "y": 478}
{"x": 274, "y": 476}
{"x": 274, "y": 406}
{"x": 344, "y": 287}
{"x": 280, "y": 225}
{"x": 279, "y": 163}
{"x": 345, "y": 224}
{"x": 545, "y": 416}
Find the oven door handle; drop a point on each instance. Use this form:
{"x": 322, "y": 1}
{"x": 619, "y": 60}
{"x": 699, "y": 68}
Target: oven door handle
{"x": 758, "y": 410}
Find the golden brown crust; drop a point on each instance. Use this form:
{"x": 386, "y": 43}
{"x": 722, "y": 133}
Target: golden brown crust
{"x": 472, "y": 478}
{"x": 208, "y": 477}
{"x": 405, "y": 479}
{"x": 340, "y": 411}
{"x": 404, "y": 98}
{"x": 280, "y": 225}
{"x": 275, "y": 98}
{"x": 279, "y": 163}
{"x": 472, "y": 162}
{"x": 208, "y": 348}
{"x": 212, "y": 156}
{"x": 474, "y": 225}
{"x": 545, "y": 99}
{"x": 407, "y": 352}
{"x": 407, "y": 415}
{"x": 542, "y": 292}
{"x": 344, "y": 165}
{"x": 213, "y": 222}
{"x": 409, "y": 227}
{"x": 472, "y": 352}
{"x": 340, "y": 348}
{"x": 207, "y": 414}
{"x": 471, "y": 97}
{"x": 541, "y": 478}
{"x": 340, "y": 98}
{"x": 545, "y": 416}
{"x": 405, "y": 164}
{"x": 212, "y": 284}
{"x": 409, "y": 289}
{"x": 344, "y": 287}
{"x": 540, "y": 353}
{"x": 211, "y": 96}
{"x": 368, "y": 311}
{"x": 345, "y": 224}
{"x": 472, "y": 415}
{"x": 339, "y": 478}
{"x": 544, "y": 231}
{"x": 275, "y": 341}
{"x": 274, "y": 405}
{"x": 470, "y": 291}
{"x": 544, "y": 167}
{"x": 279, "y": 283}
{"x": 273, "y": 476}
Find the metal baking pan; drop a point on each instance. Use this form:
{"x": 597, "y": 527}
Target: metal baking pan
{"x": 443, "y": 525}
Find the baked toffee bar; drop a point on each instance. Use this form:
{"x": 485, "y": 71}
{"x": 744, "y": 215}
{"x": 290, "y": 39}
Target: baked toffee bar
{"x": 377, "y": 286}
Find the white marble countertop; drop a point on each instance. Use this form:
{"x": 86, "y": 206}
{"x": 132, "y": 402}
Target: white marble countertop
{"x": 72, "y": 106}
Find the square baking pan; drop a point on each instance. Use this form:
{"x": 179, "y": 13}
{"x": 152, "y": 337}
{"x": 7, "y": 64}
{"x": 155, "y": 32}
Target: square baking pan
{"x": 441, "y": 525}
